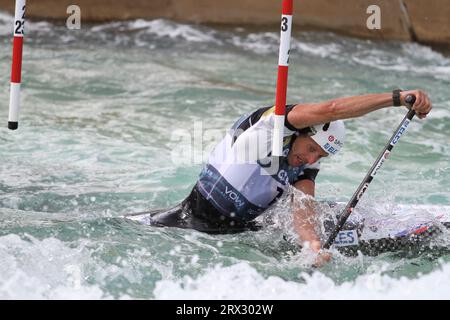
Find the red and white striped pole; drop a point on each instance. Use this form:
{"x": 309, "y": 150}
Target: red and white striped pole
{"x": 283, "y": 67}
{"x": 14, "y": 100}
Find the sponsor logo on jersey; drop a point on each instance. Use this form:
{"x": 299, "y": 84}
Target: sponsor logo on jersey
{"x": 234, "y": 196}
{"x": 283, "y": 176}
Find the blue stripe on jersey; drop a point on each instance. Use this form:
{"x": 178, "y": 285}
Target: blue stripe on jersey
{"x": 224, "y": 197}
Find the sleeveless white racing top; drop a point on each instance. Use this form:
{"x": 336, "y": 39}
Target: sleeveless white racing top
{"x": 239, "y": 179}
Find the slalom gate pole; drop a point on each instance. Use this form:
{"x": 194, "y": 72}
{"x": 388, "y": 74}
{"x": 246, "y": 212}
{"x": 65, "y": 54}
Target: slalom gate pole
{"x": 16, "y": 71}
{"x": 283, "y": 66}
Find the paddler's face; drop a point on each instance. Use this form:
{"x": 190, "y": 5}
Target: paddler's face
{"x": 305, "y": 151}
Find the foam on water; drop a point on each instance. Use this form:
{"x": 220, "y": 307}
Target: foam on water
{"x": 124, "y": 33}
{"x": 43, "y": 269}
{"x": 162, "y": 29}
{"x": 241, "y": 282}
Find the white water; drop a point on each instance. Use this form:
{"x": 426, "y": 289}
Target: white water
{"x": 51, "y": 269}
{"x": 81, "y": 156}
{"x": 241, "y": 281}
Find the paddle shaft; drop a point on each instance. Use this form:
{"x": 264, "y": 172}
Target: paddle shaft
{"x": 372, "y": 172}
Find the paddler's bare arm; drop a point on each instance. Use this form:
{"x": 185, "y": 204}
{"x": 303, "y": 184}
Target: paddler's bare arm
{"x": 306, "y": 115}
{"x": 305, "y": 222}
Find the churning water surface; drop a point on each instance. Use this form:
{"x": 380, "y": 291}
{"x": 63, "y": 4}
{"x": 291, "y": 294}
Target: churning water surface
{"x": 119, "y": 117}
